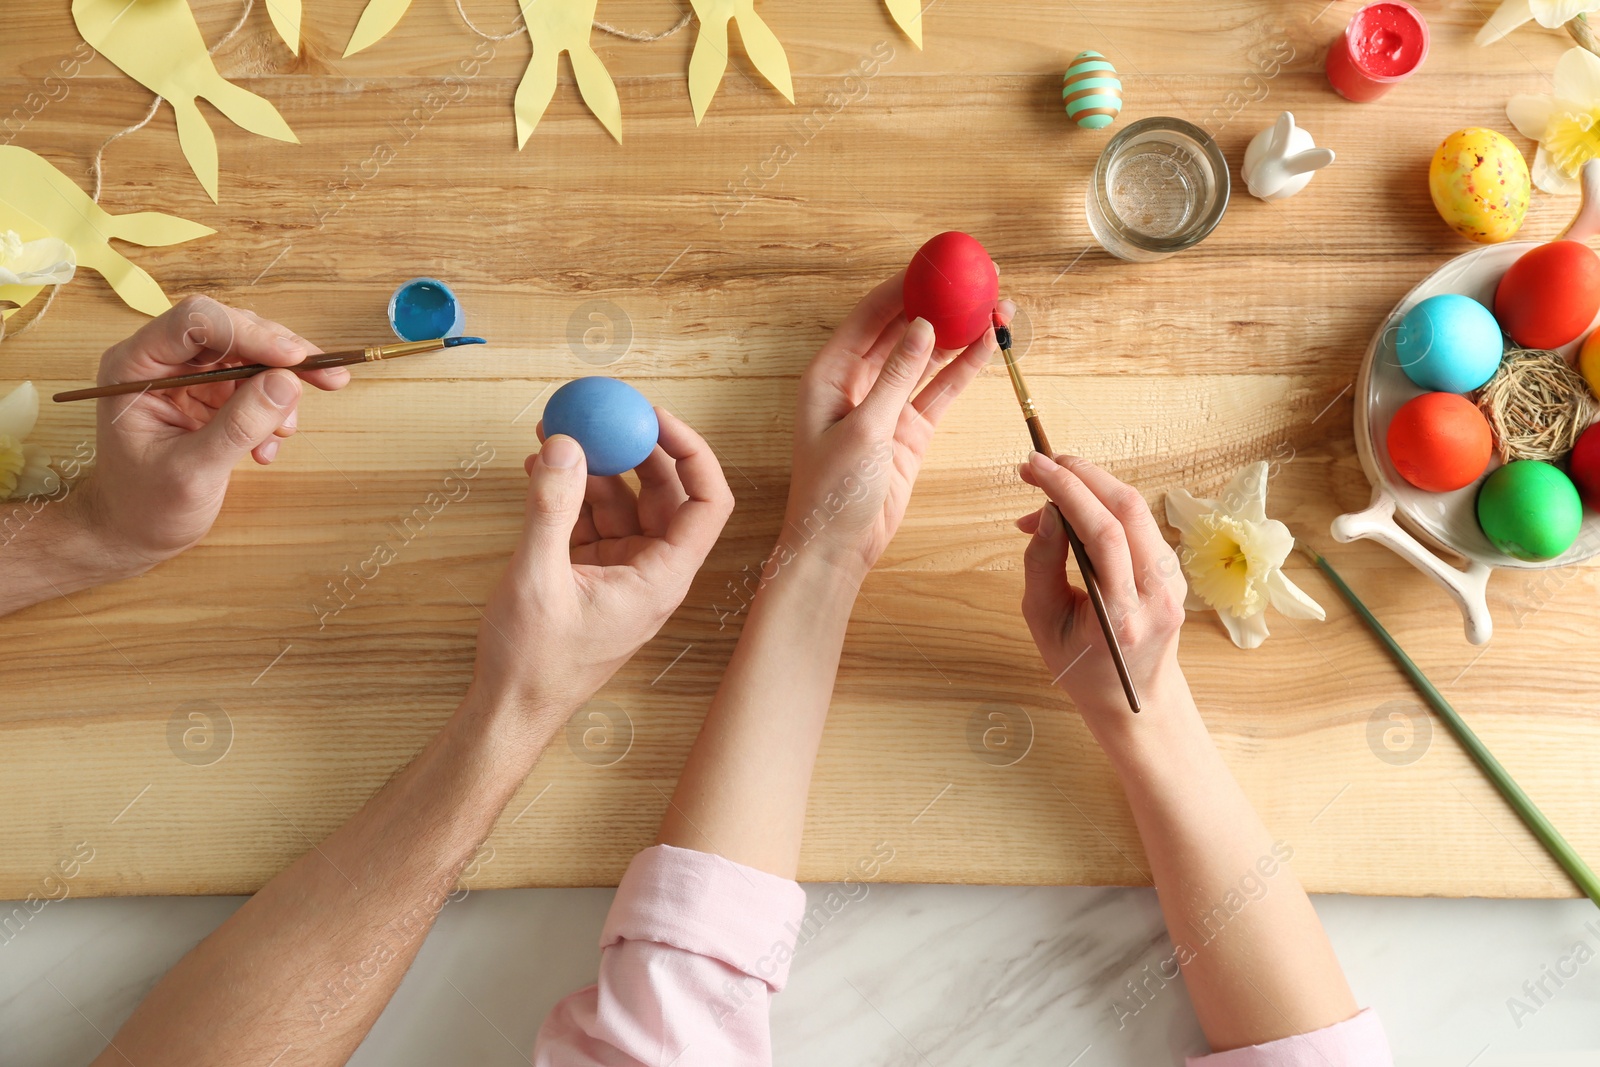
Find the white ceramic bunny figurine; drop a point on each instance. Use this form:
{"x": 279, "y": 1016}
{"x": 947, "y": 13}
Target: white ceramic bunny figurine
{"x": 1281, "y": 160}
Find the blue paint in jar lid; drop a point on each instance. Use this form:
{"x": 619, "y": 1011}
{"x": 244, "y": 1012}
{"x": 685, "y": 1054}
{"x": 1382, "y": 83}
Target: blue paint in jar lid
{"x": 425, "y": 308}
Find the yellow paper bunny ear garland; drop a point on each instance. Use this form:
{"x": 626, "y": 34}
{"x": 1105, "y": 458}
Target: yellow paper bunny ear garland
{"x": 38, "y": 201}
{"x": 710, "y": 58}
{"x": 285, "y": 15}
{"x": 555, "y": 28}
{"x": 377, "y": 19}
{"x": 158, "y": 44}
{"x": 908, "y": 16}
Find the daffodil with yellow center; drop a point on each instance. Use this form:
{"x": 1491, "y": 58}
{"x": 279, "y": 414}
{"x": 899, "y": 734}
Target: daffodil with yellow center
{"x": 1551, "y": 14}
{"x": 1566, "y": 125}
{"x": 1233, "y": 556}
{"x": 24, "y": 468}
{"x": 12, "y": 461}
{"x": 47, "y": 261}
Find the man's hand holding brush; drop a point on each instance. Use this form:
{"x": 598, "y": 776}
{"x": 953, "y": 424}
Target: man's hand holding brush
{"x": 163, "y": 459}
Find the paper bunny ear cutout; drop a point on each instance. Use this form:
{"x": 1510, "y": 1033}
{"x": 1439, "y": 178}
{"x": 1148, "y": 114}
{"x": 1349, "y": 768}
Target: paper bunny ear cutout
{"x": 554, "y": 27}
{"x": 157, "y": 43}
{"x": 710, "y": 58}
{"x": 377, "y": 19}
{"x": 557, "y": 26}
{"x": 37, "y": 201}
{"x": 285, "y": 15}
{"x": 908, "y": 16}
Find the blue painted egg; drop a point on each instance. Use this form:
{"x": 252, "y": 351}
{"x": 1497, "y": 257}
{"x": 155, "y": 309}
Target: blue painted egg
{"x": 612, "y": 420}
{"x": 1449, "y": 344}
{"x": 1092, "y": 91}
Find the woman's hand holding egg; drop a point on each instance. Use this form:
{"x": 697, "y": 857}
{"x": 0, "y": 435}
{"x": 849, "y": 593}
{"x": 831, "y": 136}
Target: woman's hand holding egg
{"x": 598, "y": 571}
{"x": 862, "y": 427}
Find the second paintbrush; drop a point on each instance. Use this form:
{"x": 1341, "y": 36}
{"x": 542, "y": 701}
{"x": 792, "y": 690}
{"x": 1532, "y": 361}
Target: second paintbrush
{"x": 370, "y": 354}
{"x": 1091, "y": 583}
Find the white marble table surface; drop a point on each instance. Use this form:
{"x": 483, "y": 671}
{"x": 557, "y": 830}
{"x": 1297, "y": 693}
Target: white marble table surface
{"x": 903, "y": 976}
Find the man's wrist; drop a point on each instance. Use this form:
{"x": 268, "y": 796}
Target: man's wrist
{"x": 50, "y": 547}
{"x": 512, "y": 719}
{"x": 108, "y": 549}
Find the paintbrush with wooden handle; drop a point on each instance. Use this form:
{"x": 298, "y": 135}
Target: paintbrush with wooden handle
{"x": 370, "y": 354}
{"x": 1041, "y": 444}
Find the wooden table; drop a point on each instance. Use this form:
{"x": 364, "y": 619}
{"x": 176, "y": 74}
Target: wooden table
{"x": 723, "y": 256}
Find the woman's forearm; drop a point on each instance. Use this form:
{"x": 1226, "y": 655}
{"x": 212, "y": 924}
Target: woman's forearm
{"x": 1254, "y": 956}
{"x": 868, "y": 407}
{"x": 304, "y": 968}
{"x": 743, "y": 790}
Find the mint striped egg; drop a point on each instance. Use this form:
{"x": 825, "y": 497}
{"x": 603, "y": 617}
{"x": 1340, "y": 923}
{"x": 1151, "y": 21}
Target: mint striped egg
{"x": 1092, "y": 91}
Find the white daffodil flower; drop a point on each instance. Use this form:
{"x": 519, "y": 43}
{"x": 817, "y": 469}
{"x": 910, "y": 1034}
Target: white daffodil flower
{"x": 1233, "y": 557}
{"x": 1565, "y": 125}
{"x": 48, "y": 261}
{"x": 1551, "y": 14}
{"x": 24, "y": 469}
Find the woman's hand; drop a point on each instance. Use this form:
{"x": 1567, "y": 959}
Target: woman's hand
{"x": 1139, "y": 577}
{"x": 597, "y": 572}
{"x": 163, "y": 459}
{"x": 860, "y": 434}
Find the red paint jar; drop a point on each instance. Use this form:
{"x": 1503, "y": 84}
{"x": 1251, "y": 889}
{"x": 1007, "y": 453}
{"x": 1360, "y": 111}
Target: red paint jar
{"x": 1382, "y": 46}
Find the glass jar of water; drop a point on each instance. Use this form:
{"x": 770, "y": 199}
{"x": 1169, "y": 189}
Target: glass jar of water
{"x": 1161, "y": 186}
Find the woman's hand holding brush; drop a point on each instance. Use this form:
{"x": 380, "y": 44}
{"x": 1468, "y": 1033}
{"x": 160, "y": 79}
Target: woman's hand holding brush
{"x": 1271, "y": 973}
{"x": 1139, "y": 576}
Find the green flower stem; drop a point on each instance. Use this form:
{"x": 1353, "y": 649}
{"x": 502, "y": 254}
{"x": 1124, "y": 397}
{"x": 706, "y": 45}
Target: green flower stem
{"x": 1542, "y": 828}
{"x": 1580, "y": 30}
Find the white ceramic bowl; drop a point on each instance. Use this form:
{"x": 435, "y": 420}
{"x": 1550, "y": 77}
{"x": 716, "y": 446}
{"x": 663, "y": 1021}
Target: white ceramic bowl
{"x": 1417, "y": 524}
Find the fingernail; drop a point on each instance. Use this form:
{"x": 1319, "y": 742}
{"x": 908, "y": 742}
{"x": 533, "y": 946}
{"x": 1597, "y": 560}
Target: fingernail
{"x": 293, "y": 421}
{"x": 1049, "y": 523}
{"x": 281, "y": 388}
{"x": 269, "y": 450}
{"x": 290, "y": 346}
{"x": 1043, "y": 463}
{"x": 919, "y": 336}
{"x": 560, "y": 453}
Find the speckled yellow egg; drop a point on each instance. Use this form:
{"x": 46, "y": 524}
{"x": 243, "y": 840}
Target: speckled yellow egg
{"x": 1480, "y": 185}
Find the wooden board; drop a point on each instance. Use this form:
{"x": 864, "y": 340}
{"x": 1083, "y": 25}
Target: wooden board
{"x": 725, "y": 268}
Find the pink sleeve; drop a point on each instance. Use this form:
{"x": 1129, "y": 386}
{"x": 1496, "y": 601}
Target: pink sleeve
{"x": 1356, "y": 1042}
{"x": 692, "y": 951}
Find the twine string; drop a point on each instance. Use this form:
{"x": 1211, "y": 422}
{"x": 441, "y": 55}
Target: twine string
{"x": 603, "y": 27}
{"x": 97, "y": 164}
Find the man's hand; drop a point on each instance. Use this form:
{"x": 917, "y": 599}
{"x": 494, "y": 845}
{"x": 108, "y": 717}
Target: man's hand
{"x": 598, "y": 571}
{"x": 163, "y": 459}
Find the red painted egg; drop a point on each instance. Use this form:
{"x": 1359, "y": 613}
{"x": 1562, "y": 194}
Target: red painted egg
{"x": 1586, "y": 466}
{"x": 1439, "y": 442}
{"x": 1550, "y": 296}
{"x": 952, "y": 283}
